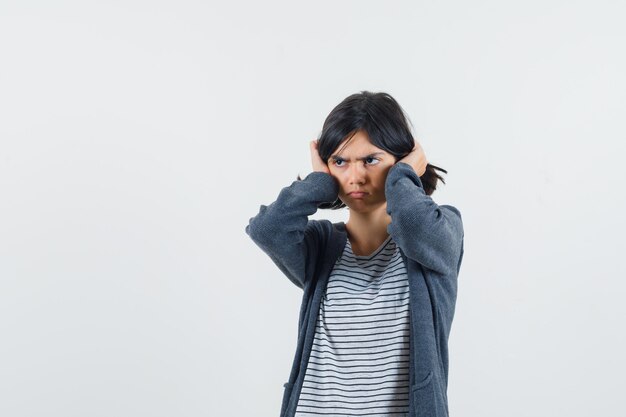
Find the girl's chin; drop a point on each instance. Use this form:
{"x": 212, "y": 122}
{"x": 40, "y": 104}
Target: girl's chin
{"x": 362, "y": 205}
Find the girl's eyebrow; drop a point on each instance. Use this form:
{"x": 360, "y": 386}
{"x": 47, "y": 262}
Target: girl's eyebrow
{"x": 336, "y": 157}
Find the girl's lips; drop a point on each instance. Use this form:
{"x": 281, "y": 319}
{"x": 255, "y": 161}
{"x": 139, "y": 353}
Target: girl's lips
{"x": 357, "y": 194}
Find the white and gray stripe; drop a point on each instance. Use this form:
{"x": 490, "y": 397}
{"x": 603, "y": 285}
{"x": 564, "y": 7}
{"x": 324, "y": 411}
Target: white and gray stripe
{"x": 359, "y": 363}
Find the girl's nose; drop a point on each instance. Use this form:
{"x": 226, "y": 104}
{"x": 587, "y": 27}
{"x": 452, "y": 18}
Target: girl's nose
{"x": 356, "y": 174}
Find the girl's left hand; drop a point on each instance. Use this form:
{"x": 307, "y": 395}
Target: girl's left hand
{"x": 417, "y": 159}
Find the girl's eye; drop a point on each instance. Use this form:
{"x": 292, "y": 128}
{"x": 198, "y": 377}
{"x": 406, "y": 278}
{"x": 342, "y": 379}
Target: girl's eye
{"x": 369, "y": 160}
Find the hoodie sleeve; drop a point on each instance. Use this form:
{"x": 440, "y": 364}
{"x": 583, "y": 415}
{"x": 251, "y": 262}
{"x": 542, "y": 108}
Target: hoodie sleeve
{"x": 428, "y": 233}
{"x": 282, "y": 229}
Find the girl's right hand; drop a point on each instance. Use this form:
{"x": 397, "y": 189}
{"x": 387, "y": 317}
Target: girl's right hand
{"x": 316, "y": 161}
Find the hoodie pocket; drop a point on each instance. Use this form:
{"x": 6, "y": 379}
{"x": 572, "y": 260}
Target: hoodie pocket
{"x": 423, "y": 394}
{"x": 286, "y": 395}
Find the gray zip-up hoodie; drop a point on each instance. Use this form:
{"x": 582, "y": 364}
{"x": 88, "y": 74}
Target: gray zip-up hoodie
{"x": 430, "y": 238}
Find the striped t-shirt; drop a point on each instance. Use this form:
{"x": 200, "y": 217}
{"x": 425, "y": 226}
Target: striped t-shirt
{"x": 359, "y": 363}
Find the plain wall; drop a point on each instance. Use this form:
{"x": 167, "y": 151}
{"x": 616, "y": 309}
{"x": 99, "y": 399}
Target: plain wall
{"x": 138, "y": 138}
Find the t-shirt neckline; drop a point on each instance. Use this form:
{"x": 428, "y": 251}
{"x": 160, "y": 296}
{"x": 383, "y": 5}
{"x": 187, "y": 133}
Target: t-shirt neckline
{"x": 373, "y": 254}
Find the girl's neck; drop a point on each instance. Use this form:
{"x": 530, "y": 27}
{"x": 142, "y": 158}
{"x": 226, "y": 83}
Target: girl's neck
{"x": 367, "y": 231}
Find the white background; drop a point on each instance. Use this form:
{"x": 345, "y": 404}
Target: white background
{"x": 138, "y": 138}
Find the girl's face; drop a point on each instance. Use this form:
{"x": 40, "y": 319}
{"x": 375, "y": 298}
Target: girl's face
{"x": 361, "y": 166}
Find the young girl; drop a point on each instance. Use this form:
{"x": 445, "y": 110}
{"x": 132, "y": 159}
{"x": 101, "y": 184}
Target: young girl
{"x": 379, "y": 291}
